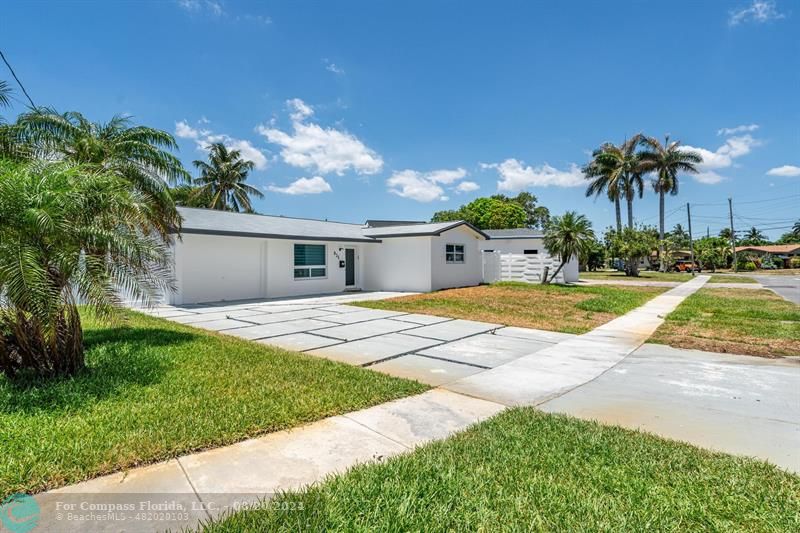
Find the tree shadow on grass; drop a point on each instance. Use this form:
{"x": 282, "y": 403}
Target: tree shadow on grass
{"x": 119, "y": 360}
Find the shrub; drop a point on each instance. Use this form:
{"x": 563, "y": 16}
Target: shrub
{"x": 749, "y": 266}
{"x": 794, "y": 262}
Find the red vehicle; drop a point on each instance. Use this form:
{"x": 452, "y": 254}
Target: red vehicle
{"x": 686, "y": 266}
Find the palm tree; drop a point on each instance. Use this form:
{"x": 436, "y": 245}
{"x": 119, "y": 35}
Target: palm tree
{"x": 680, "y": 235}
{"x": 666, "y": 161}
{"x": 567, "y": 236}
{"x": 616, "y": 169}
{"x": 601, "y": 182}
{"x": 138, "y": 154}
{"x": 5, "y": 94}
{"x": 796, "y": 229}
{"x": 223, "y": 179}
{"x": 726, "y": 234}
{"x": 69, "y": 234}
{"x": 754, "y": 236}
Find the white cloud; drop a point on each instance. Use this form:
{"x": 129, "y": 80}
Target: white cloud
{"x": 315, "y": 185}
{"x": 424, "y": 186}
{"x": 722, "y": 157}
{"x": 325, "y": 150}
{"x": 759, "y": 11}
{"x": 467, "y": 186}
{"x": 787, "y": 171}
{"x": 299, "y": 110}
{"x": 708, "y": 177}
{"x": 185, "y": 131}
{"x": 333, "y": 67}
{"x": 515, "y": 176}
{"x": 195, "y": 6}
{"x": 744, "y": 128}
{"x": 204, "y": 138}
{"x": 412, "y": 184}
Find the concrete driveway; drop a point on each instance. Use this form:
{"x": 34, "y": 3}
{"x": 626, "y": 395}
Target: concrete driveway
{"x": 430, "y": 349}
{"x": 733, "y": 403}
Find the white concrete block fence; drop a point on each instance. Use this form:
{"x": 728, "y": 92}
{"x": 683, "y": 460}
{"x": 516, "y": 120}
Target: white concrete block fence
{"x": 518, "y": 267}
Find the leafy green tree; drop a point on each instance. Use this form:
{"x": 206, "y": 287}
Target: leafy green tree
{"x": 223, "y": 180}
{"x": 567, "y": 236}
{"x": 138, "y": 154}
{"x": 537, "y": 216}
{"x": 789, "y": 237}
{"x": 666, "y": 161}
{"x": 679, "y": 236}
{"x": 631, "y": 245}
{"x": 595, "y": 256}
{"x": 69, "y": 234}
{"x": 487, "y": 213}
{"x": 713, "y": 252}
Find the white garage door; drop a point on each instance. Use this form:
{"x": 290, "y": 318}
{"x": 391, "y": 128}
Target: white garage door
{"x": 216, "y": 268}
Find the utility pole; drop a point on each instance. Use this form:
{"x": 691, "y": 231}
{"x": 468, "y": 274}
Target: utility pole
{"x": 733, "y": 235}
{"x": 691, "y": 243}
{"x": 708, "y": 232}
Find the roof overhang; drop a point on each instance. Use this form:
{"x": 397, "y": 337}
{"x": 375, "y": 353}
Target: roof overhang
{"x": 255, "y": 235}
{"x": 433, "y": 233}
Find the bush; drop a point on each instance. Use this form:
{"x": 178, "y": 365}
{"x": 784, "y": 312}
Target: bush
{"x": 794, "y": 262}
{"x": 749, "y": 266}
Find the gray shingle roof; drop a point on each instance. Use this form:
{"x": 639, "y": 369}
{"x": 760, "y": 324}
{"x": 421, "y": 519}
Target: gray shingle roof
{"x": 213, "y": 222}
{"x": 434, "y": 228}
{"x": 517, "y": 233}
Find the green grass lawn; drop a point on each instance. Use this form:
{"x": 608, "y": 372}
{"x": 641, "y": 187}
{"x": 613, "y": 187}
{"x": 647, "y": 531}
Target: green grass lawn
{"x": 155, "y": 389}
{"x": 749, "y": 322}
{"x": 524, "y": 470}
{"x": 566, "y": 308}
{"x": 648, "y": 275}
{"x": 722, "y": 278}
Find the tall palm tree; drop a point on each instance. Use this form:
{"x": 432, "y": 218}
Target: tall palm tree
{"x": 223, "y": 179}
{"x": 138, "y": 154}
{"x": 69, "y": 233}
{"x": 796, "y": 229}
{"x": 617, "y": 170}
{"x": 5, "y": 94}
{"x": 666, "y": 161}
{"x": 567, "y": 236}
{"x": 754, "y": 236}
{"x": 601, "y": 182}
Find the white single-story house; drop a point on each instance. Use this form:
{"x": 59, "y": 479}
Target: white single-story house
{"x": 523, "y": 241}
{"x": 234, "y": 256}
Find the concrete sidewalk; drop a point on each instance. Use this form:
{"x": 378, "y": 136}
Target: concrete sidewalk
{"x": 536, "y": 378}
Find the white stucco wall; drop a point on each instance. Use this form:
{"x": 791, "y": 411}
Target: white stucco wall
{"x": 211, "y": 268}
{"x": 280, "y": 269}
{"x": 398, "y": 264}
{"x": 447, "y": 275}
{"x": 518, "y": 246}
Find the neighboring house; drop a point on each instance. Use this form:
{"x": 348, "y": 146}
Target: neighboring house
{"x": 232, "y": 256}
{"x": 523, "y": 241}
{"x": 784, "y": 251}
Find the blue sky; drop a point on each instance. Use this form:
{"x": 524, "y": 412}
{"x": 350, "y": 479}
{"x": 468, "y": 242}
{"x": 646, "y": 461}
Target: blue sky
{"x": 356, "y": 110}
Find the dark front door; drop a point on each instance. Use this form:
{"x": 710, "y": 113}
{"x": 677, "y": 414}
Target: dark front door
{"x": 349, "y": 267}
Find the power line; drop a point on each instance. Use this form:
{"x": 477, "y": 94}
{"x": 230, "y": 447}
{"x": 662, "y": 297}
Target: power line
{"x": 33, "y": 106}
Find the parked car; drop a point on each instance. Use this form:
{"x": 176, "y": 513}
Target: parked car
{"x": 686, "y": 266}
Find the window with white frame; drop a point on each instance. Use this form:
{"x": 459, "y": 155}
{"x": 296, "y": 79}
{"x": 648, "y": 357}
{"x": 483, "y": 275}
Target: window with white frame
{"x": 309, "y": 261}
{"x": 454, "y": 253}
